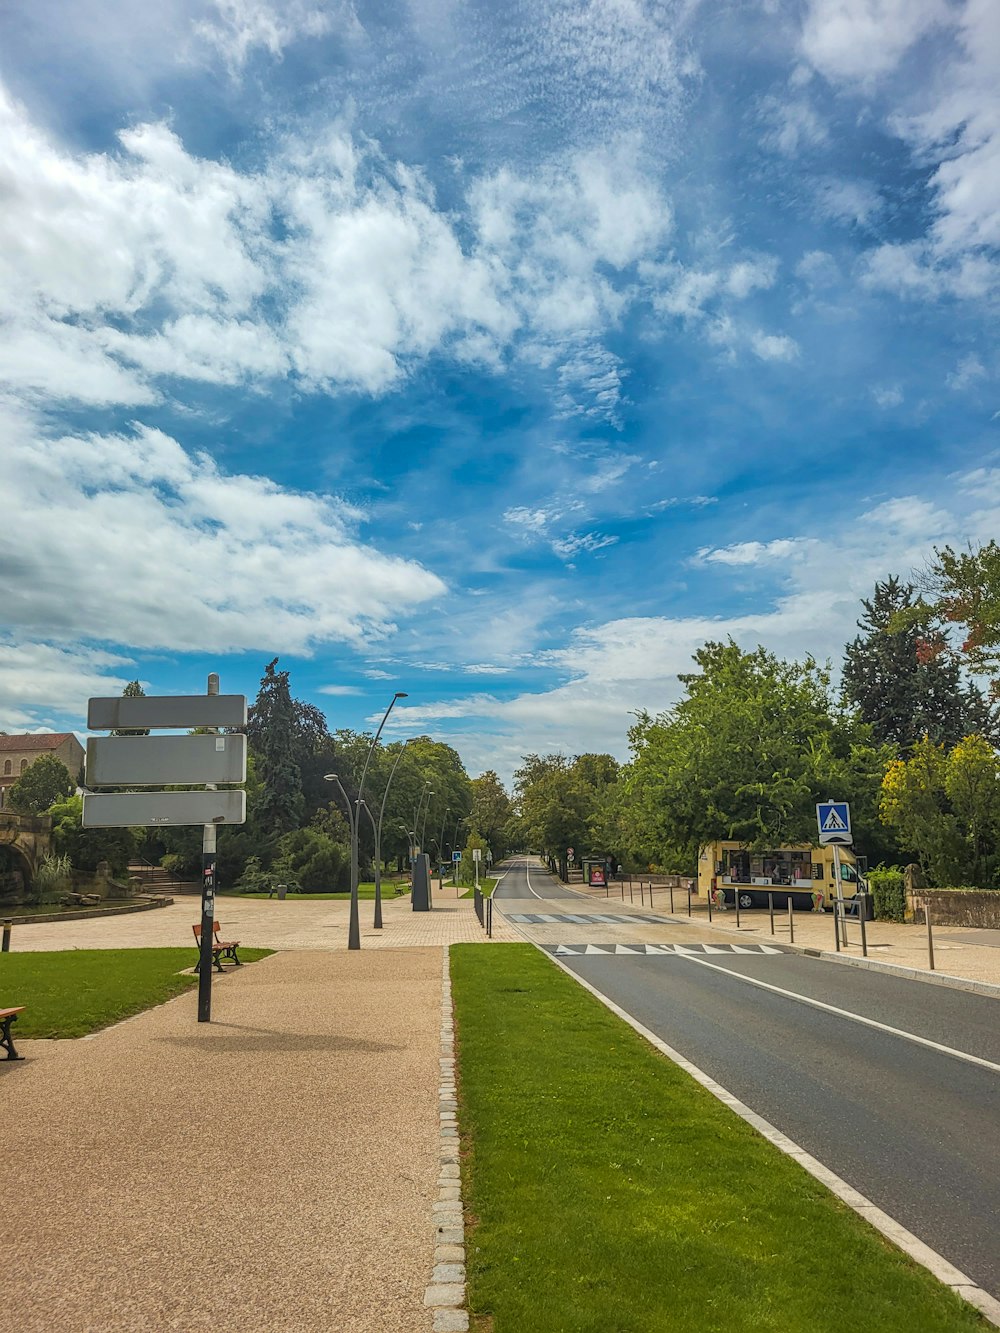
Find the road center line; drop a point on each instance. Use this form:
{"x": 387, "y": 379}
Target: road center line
{"x": 530, "y": 889}
{"x": 846, "y": 1013}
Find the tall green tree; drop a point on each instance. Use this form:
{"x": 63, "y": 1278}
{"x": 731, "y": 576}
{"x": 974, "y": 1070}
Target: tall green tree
{"x": 272, "y": 736}
{"x": 946, "y": 805}
{"x": 41, "y": 784}
{"x": 899, "y": 690}
{"x": 745, "y": 755}
{"x": 492, "y": 812}
{"x": 555, "y": 805}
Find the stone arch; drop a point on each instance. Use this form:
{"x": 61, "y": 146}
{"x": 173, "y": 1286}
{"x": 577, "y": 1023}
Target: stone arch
{"x": 26, "y": 839}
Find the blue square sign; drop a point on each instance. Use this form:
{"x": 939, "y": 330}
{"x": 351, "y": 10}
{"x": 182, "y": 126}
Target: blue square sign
{"x": 834, "y": 819}
{"x": 456, "y": 856}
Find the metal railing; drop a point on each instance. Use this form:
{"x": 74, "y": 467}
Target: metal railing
{"x": 484, "y": 910}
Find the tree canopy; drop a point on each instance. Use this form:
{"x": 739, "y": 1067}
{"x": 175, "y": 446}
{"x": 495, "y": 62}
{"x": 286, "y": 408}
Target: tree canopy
{"x": 41, "y": 784}
{"x": 899, "y": 690}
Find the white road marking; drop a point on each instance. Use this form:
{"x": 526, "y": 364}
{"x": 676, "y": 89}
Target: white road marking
{"x": 847, "y": 1013}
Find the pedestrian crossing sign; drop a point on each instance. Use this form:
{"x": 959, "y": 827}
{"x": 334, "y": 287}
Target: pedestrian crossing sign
{"x": 834, "y": 819}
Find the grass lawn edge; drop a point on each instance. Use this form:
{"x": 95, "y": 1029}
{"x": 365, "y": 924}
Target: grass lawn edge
{"x": 549, "y": 1091}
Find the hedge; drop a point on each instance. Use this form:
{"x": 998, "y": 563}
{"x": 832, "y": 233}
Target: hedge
{"x": 888, "y": 894}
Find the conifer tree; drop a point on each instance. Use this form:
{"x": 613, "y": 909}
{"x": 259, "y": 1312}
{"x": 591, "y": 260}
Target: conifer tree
{"x": 901, "y": 692}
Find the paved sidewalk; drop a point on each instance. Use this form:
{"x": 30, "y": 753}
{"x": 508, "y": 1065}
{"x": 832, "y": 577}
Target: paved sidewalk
{"x": 267, "y": 923}
{"x": 273, "y": 1170}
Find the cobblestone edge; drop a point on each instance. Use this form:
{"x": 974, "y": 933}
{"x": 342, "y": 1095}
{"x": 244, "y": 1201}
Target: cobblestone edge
{"x": 445, "y": 1294}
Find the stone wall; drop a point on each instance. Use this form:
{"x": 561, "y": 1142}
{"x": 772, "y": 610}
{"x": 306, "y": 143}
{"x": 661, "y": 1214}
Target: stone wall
{"x": 959, "y": 907}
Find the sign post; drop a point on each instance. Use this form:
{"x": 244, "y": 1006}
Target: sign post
{"x": 834, "y": 819}
{"x": 151, "y": 761}
{"x": 477, "y": 856}
{"x": 208, "y": 850}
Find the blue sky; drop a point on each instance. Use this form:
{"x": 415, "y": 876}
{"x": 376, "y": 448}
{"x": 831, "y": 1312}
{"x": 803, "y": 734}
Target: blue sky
{"x": 497, "y": 353}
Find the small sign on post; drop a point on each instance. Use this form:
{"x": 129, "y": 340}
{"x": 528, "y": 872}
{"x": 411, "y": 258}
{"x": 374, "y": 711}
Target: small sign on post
{"x": 834, "y": 819}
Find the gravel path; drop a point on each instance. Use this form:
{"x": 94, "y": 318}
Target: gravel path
{"x": 272, "y": 1170}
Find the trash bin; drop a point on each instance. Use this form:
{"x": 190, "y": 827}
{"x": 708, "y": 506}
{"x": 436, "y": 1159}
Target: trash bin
{"x": 282, "y": 890}
{"x": 860, "y": 903}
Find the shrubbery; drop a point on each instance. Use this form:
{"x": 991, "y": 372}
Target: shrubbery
{"x": 888, "y": 893}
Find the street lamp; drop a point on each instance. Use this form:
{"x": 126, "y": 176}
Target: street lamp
{"x": 423, "y": 827}
{"x": 354, "y": 931}
{"x": 447, "y": 811}
{"x": 378, "y": 838}
{"x": 416, "y": 813}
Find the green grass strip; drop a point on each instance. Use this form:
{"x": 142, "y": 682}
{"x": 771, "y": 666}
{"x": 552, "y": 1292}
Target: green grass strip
{"x": 610, "y": 1193}
{"x": 71, "y": 992}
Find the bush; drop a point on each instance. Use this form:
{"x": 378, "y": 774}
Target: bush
{"x": 888, "y": 893}
{"x": 51, "y": 879}
{"x": 312, "y": 862}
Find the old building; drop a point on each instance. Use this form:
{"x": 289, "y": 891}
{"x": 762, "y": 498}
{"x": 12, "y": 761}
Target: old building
{"x": 17, "y": 753}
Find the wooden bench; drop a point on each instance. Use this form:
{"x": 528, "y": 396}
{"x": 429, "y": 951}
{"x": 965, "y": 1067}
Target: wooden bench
{"x": 220, "y": 948}
{"x": 8, "y": 1016}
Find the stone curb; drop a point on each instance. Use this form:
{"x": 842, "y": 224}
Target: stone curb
{"x": 445, "y": 1294}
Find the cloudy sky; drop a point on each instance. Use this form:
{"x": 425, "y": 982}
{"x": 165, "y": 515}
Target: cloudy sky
{"x": 497, "y": 352}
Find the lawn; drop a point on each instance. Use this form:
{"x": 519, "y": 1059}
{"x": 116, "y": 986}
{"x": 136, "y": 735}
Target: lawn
{"x": 75, "y": 991}
{"x": 486, "y": 887}
{"x": 610, "y": 1193}
{"x": 365, "y": 891}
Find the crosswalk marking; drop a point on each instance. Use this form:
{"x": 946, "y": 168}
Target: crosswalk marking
{"x": 660, "y": 950}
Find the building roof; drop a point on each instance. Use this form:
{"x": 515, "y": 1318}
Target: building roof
{"x": 42, "y": 740}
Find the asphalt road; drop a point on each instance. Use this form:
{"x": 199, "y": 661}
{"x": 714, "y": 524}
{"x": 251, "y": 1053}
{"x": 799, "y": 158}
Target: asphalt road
{"x": 914, "y": 1128}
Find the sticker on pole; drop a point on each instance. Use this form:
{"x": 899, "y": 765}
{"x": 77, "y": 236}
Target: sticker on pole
{"x": 834, "y": 819}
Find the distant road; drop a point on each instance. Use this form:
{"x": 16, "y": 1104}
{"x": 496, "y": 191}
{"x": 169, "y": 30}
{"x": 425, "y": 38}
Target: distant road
{"x": 914, "y": 1128}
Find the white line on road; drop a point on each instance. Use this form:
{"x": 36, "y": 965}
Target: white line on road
{"x": 846, "y": 1013}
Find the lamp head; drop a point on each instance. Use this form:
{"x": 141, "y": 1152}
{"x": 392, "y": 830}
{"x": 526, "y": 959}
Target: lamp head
{"x": 329, "y": 777}
{"x": 400, "y": 694}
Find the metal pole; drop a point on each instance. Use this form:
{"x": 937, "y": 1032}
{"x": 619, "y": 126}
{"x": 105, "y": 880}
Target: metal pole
{"x": 689, "y": 900}
{"x": 708, "y": 898}
{"x": 353, "y": 814}
{"x": 862, "y": 904}
{"x": 791, "y": 921}
{"x": 930, "y": 936}
{"x": 770, "y": 910}
{"x": 671, "y": 900}
{"x": 378, "y": 838}
{"x": 378, "y": 877}
{"x": 736, "y": 900}
{"x": 7, "y": 927}
{"x": 836, "y": 923}
{"x": 840, "y": 894}
{"x": 208, "y": 850}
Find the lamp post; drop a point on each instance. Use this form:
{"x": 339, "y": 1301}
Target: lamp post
{"x": 378, "y": 838}
{"x": 416, "y": 814}
{"x": 354, "y": 930}
{"x": 447, "y": 810}
{"x": 423, "y": 827}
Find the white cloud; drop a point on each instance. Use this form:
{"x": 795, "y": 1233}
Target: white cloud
{"x": 950, "y": 118}
{"x": 339, "y": 689}
{"x": 858, "y": 39}
{"x": 130, "y": 539}
{"x": 330, "y": 264}
{"x": 773, "y": 346}
{"x": 754, "y": 553}
{"x": 42, "y": 683}
{"x": 244, "y": 25}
